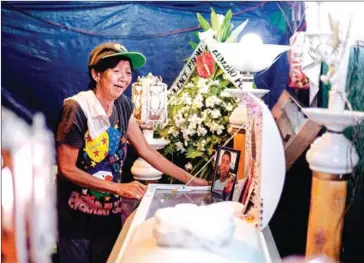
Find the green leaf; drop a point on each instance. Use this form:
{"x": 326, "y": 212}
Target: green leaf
{"x": 219, "y": 34}
{"x": 227, "y": 18}
{"x": 224, "y": 82}
{"x": 225, "y": 33}
{"x": 214, "y": 20}
{"x": 203, "y": 23}
{"x": 234, "y": 35}
{"x": 193, "y": 44}
{"x": 163, "y": 133}
{"x": 193, "y": 153}
{"x": 214, "y": 90}
{"x": 169, "y": 149}
{"x": 224, "y": 30}
{"x": 195, "y": 34}
{"x": 219, "y": 72}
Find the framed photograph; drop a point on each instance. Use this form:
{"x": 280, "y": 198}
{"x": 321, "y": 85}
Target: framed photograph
{"x": 225, "y": 174}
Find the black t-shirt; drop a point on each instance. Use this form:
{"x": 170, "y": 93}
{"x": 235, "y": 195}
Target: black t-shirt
{"x": 86, "y": 212}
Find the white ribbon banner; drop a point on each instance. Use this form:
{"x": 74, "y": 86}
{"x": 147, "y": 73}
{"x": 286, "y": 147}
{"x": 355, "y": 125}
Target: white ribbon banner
{"x": 187, "y": 70}
{"x": 234, "y": 75}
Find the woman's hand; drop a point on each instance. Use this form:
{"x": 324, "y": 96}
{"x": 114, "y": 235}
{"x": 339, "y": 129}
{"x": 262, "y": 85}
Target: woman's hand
{"x": 133, "y": 190}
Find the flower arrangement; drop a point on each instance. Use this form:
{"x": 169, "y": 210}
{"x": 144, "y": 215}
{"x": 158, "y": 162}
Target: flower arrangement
{"x": 198, "y": 114}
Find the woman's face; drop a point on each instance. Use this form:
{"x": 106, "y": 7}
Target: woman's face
{"x": 113, "y": 82}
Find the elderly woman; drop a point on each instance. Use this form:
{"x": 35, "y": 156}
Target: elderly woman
{"x": 92, "y": 137}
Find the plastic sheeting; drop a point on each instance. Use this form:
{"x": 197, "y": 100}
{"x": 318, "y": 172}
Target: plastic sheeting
{"x": 45, "y": 45}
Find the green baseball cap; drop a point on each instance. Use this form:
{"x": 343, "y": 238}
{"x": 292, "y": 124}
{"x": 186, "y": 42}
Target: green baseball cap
{"x": 110, "y": 49}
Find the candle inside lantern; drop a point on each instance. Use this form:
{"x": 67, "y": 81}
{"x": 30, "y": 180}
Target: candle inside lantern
{"x": 149, "y": 95}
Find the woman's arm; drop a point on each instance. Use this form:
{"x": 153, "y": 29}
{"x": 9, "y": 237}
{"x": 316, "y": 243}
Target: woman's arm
{"x": 154, "y": 158}
{"x": 66, "y": 159}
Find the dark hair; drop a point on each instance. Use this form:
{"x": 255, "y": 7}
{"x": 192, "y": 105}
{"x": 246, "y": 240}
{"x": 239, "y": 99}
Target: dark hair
{"x": 103, "y": 65}
{"x": 228, "y": 154}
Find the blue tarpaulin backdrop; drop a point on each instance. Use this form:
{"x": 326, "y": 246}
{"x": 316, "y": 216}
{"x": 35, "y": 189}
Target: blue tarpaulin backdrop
{"x": 45, "y": 45}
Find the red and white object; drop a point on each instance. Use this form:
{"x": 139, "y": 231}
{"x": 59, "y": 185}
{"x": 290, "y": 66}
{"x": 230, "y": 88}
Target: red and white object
{"x": 297, "y": 79}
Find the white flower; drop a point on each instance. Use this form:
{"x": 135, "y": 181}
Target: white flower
{"x": 229, "y": 107}
{"x": 186, "y": 99}
{"x": 185, "y": 110}
{"x": 205, "y": 113}
{"x": 174, "y": 101}
{"x": 224, "y": 76}
{"x": 171, "y": 130}
{"x": 198, "y": 101}
{"x": 201, "y": 145}
{"x": 185, "y": 135}
{"x": 225, "y": 94}
{"x": 175, "y": 133}
{"x": 190, "y": 130}
{"x": 217, "y": 100}
{"x": 220, "y": 129}
{"x": 194, "y": 120}
{"x": 210, "y": 102}
{"x": 201, "y": 131}
{"x": 214, "y": 126}
{"x": 203, "y": 89}
{"x": 180, "y": 147}
{"x": 189, "y": 85}
{"x": 188, "y": 166}
{"x": 215, "y": 114}
{"x": 201, "y": 82}
{"x": 179, "y": 120}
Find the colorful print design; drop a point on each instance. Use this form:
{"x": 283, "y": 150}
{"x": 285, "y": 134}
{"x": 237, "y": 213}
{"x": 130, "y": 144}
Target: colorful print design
{"x": 103, "y": 158}
{"x": 97, "y": 149}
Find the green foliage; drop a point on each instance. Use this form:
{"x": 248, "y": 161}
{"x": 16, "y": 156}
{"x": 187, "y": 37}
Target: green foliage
{"x": 214, "y": 20}
{"x": 203, "y": 23}
{"x": 225, "y": 29}
{"x": 193, "y": 44}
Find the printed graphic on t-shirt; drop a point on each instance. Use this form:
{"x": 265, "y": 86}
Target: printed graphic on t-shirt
{"x": 90, "y": 205}
{"x": 103, "y": 158}
{"x": 97, "y": 149}
{"x": 103, "y": 175}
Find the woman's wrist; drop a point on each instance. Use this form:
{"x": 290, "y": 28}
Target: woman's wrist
{"x": 114, "y": 188}
{"x": 184, "y": 176}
